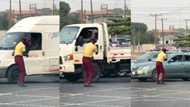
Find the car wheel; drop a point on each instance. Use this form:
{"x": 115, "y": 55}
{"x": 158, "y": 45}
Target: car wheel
{"x": 12, "y": 74}
{"x": 142, "y": 79}
{"x": 185, "y": 79}
{"x": 154, "y": 76}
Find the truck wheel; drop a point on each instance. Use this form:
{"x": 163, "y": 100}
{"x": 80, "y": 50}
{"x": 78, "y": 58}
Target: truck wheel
{"x": 72, "y": 77}
{"x": 12, "y": 74}
{"x": 185, "y": 79}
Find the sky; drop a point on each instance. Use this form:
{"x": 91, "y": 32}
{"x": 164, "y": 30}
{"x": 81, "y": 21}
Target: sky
{"x": 4, "y": 4}
{"x": 75, "y": 4}
{"x": 173, "y": 11}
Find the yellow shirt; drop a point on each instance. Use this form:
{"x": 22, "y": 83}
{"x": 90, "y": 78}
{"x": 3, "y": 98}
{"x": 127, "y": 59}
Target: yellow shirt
{"x": 161, "y": 57}
{"x": 89, "y": 49}
{"x": 19, "y": 49}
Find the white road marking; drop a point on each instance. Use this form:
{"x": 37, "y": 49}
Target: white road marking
{"x": 5, "y": 94}
{"x": 27, "y": 105}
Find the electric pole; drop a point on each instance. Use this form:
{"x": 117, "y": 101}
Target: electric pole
{"x": 91, "y": 9}
{"x": 186, "y": 26}
{"x": 163, "y": 36}
{"x": 10, "y": 12}
{"x": 125, "y": 8}
{"x": 20, "y": 10}
{"x": 81, "y": 12}
{"x": 155, "y": 23}
{"x": 53, "y": 10}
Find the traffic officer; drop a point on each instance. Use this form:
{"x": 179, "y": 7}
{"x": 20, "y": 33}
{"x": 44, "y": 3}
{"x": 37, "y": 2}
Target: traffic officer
{"x": 159, "y": 66}
{"x": 19, "y": 52}
{"x": 89, "y": 49}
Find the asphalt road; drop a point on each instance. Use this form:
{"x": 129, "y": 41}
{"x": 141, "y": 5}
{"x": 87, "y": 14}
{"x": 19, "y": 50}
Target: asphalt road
{"x": 41, "y": 91}
{"x": 122, "y": 93}
{"x": 47, "y": 91}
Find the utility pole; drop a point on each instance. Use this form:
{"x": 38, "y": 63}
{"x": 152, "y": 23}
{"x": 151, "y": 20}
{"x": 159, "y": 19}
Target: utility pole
{"x": 10, "y": 12}
{"x": 91, "y": 9}
{"x": 163, "y": 36}
{"x": 186, "y": 26}
{"x": 53, "y": 10}
{"x": 155, "y": 23}
{"x": 20, "y": 10}
{"x": 81, "y": 12}
{"x": 125, "y": 8}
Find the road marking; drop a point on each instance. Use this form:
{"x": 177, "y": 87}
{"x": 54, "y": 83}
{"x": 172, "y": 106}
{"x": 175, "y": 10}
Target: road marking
{"x": 92, "y": 102}
{"x": 5, "y": 94}
{"x": 34, "y": 100}
{"x": 37, "y": 96}
{"x": 27, "y": 105}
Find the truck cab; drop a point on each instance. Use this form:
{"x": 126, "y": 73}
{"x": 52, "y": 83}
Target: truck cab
{"x": 72, "y": 39}
{"x": 42, "y": 32}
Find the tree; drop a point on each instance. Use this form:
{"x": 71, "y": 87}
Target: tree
{"x": 120, "y": 26}
{"x": 64, "y": 12}
{"x": 4, "y": 22}
{"x": 183, "y": 41}
{"x": 139, "y": 33}
{"x": 66, "y": 17}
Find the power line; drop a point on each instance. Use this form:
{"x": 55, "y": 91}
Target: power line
{"x": 155, "y": 22}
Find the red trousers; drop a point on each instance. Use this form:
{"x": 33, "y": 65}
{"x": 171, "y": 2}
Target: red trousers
{"x": 22, "y": 72}
{"x": 89, "y": 70}
{"x": 160, "y": 71}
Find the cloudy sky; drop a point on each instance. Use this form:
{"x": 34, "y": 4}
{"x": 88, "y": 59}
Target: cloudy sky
{"x": 175, "y": 11}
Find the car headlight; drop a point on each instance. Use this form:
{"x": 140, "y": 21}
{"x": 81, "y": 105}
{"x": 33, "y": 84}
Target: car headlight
{"x": 144, "y": 70}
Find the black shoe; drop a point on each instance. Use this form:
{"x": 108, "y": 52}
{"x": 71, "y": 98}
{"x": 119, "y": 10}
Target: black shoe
{"x": 21, "y": 85}
{"x": 88, "y": 85}
{"x": 162, "y": 82}
{"x": 158, "y": 82}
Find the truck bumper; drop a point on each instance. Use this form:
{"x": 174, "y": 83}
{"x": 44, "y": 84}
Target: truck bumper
{"x": 67, "y": 68}
{"x": 3, "y": 72}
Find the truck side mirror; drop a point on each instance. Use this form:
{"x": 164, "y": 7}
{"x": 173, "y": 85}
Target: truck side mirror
{"x": 97, "y": 51}
{"x": 76, "y": 48}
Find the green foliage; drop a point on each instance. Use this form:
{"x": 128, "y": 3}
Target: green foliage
{"x": 183, "y": 41}
{"x": 140, "y": 34}
{"x": 65, "y": 17}
{"x": 120, "y": 26}
{"x": 4, "y": 22}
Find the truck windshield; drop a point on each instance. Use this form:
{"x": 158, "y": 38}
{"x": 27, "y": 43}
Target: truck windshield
{"x": 9, "y": 41}
{"x": 68, "y": 34}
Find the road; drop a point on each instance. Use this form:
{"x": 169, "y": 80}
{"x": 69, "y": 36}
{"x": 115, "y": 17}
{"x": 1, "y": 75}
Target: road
{"x": 41, "y": 91}
{"x": 47, "y": 91}
{"x": 122, "y": 93}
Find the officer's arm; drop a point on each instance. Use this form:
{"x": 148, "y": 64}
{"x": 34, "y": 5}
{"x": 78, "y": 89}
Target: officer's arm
{"x": 26, "y": 51}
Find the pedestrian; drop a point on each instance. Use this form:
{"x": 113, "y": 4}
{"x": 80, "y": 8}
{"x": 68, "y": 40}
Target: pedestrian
{"x": 159, "y": 66}
{"x": 19, "y": 52}
{"x": 89, "y": 49}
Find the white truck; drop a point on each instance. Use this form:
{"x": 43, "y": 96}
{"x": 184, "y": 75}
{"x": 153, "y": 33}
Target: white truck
{"x": 43, "y": 55}
{"x": 107, "y": 60}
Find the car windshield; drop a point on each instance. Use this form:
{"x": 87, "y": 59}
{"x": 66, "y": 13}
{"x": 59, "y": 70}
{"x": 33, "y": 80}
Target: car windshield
{"x": 9, "y": 41}
{"x": 149, "y": 55}
{"x": 68, "y": 34}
